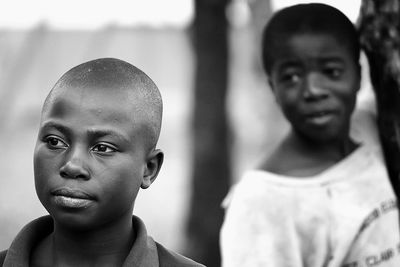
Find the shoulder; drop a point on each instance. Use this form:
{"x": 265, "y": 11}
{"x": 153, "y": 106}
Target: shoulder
{"x": 256, "y": 186}
{"x": 22, "y": 245}
{"x": 147, "y": 252}
{"x": 169, "y": 258}
{"x": 2, "y": 256}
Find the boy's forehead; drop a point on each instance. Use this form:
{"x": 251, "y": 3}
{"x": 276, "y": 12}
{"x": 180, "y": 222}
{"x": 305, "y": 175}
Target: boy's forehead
{"x": 64, "y": 98}
{"x": 323, "y": 46}
{"x": 285, "y": 41}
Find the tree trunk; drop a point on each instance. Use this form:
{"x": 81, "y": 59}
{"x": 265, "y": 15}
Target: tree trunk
{"x": 380, "y": 38}
{"x": 211, "y": 171}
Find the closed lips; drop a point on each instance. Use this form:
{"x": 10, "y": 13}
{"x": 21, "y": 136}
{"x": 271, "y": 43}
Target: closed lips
{"x": 318, "y": 113}
{"x": 71, "y": 193}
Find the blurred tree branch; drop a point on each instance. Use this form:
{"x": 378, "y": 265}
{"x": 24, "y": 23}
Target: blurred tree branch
{"x": 380, "y": 38}
{"x": 211, "y": 160}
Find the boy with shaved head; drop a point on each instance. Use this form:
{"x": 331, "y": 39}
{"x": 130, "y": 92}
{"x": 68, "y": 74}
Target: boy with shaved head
{"x": 96, "y": 147}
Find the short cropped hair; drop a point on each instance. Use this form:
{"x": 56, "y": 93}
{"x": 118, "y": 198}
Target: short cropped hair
{"x": 312, "y": 18}
{"x": 117, "y": 74}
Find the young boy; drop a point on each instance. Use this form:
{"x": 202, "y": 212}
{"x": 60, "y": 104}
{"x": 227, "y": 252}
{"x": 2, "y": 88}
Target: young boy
{"x": 321, "y": 198}
{"x": 96, "y": 147}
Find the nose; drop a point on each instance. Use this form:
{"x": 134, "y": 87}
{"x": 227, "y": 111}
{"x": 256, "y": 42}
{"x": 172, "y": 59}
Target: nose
{"x": 314, "y": 88}
{"x": 75, "y": 166}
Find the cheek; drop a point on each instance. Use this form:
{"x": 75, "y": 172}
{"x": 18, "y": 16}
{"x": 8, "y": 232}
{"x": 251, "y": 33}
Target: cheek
{"x": 285, "y": 96}
{"x": 289, "y": 103}
{"x": 41, "y": 167}
{"x": 120, "y": 181}
{"x": 119, "y": 193}
{"x": 348, "y": 97}
{"x": 45, "y": 168}
{"x": 349, "y": 87}
{"x": 42, "y": 172}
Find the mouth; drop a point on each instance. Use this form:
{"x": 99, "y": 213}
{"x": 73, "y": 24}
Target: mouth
{"x": 319, "y": 118}
{"x": 72, "y": 198}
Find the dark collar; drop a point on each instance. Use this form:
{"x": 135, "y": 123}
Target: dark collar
{"x": 143, "y": 252}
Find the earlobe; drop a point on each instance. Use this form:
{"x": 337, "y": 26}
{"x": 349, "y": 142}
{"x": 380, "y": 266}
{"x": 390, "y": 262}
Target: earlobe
{"x": 270, "y": 83}
{"x": 359, "y": 76}
{"x": 153, "y": 166}
{"x": 271, "y": 86}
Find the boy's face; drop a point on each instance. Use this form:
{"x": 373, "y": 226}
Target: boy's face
{"x": 315, "y": 81}
{"x": 90, "y": 157}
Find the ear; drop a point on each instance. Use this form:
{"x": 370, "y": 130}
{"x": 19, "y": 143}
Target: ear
{"x": 153, "y": 165}
{"x": 270, "y": 82}
{"x": 359, "y": 73}
{"x": 271, "y": 86}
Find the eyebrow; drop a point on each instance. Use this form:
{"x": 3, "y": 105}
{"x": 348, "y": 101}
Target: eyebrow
{"x": 98, "y": 133}
{"x": 57, "y": 126}
{"x": 292, "y": 63}
{"x": 93, "y": 133}
{"x": 288, "y": 63}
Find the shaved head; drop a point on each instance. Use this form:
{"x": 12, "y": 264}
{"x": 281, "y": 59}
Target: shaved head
{"x": 110, "y": 74}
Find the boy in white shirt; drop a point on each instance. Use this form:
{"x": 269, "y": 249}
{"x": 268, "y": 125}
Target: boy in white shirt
{"x": 322, "y": 198}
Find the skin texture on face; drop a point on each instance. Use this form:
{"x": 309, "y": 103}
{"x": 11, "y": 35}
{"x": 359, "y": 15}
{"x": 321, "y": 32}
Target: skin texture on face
{"x": 93, "y": 151}
{"x": 315, "y": 81}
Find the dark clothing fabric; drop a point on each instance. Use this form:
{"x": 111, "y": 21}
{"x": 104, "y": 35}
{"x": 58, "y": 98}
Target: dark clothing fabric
{"x": 144, "y": 252}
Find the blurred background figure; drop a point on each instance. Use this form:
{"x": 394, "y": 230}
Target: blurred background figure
{"x": 203, "y": 55}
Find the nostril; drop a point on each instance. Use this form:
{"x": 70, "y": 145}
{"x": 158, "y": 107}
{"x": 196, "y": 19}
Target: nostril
{"x": 81, "y": 176}
{"x": 63, "y": 174}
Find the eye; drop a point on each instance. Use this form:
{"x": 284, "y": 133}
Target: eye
{"x": 333, "y": 72}
{"x": 104, "y": 148}
{"x": 54, "y": 142}
{"x": 290, "y": 76}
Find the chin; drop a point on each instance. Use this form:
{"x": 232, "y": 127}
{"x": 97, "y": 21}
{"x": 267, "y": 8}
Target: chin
{"x": 73, "y": 222}
{"x": 320, "y": 137}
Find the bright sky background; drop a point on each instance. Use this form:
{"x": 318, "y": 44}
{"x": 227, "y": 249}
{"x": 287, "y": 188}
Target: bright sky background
{"x": 89, "y": 14}
{"x": 92, "y": 14}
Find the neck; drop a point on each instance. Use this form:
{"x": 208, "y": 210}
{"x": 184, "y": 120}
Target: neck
{"x": 334, "y": 149}
{"x": 107, "y": 246}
